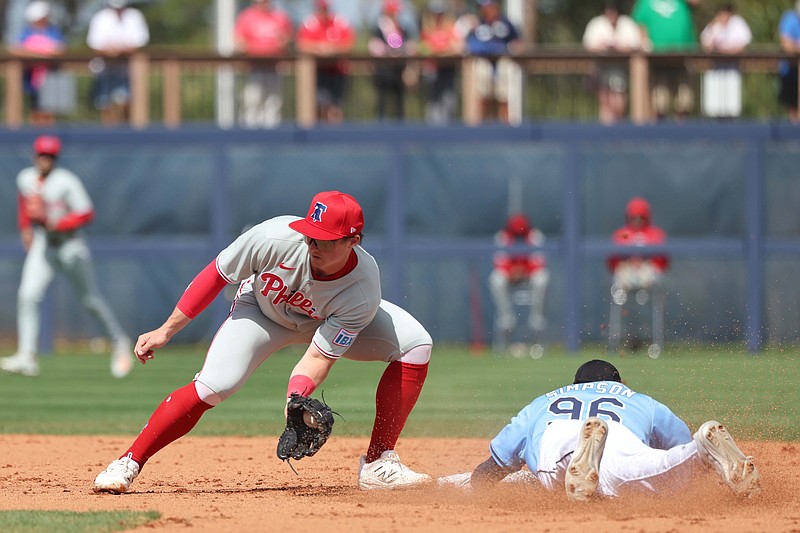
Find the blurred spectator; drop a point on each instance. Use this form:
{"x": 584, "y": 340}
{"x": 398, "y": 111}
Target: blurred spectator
{"x": 789, "y": 30}
{"x": 391, "y": 36}
{"x": 612, "y": 32}
{"x": 39, "y": 38}
{"x": 262, "y": 30}
{"x": 727, "y": 33}
{"x": 116, "y": 32}
{"x": 636, "y": 273}
{"x": 667, "y": 26}
{"x": 324, "y": 35}
{"x": 518, "y": 278}
{"x": 493, "y": 37}
{"x": 440, "y": 37}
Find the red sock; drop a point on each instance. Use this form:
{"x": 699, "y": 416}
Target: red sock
{"x": 397, "y": 394}
{"x": 171, "y": 420}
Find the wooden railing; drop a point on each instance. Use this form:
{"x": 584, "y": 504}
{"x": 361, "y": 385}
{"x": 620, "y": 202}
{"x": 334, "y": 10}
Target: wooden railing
{"x": 171, "y": 66}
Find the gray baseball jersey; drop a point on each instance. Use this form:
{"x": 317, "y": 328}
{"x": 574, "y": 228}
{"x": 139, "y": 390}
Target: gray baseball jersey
{"x": 62, "y": 192}
{"x": 276, "y": 258}
{"x": 279, "y": 303}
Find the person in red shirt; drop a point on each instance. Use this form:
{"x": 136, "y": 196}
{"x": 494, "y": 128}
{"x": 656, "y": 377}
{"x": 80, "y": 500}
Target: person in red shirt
{"x": 440, "y": 37}
{"x": 392, "y": 35}
{"x": 638, "y": 273}
{"x": 324, "y": 34}
{"x": 515, "y": 272}
{"x": 262, "y": 31}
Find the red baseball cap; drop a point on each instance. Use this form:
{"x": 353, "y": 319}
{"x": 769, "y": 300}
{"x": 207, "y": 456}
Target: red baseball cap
{"x": 332, "y": 215}
{"x": 518, "y": 224}
{"x": 638, "y": 207}
{"x": 47, "y": 144}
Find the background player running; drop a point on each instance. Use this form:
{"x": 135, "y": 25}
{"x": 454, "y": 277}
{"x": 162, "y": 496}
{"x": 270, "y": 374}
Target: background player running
{"x": 302, "y": 280}
{"x": 597, "y": 436}
{"x": 53, "y": 208}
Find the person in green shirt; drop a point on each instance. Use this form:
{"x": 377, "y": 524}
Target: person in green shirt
{"x": 667, "y": 27}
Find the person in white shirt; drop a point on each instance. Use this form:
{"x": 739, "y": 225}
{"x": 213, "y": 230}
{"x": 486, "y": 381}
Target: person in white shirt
{"x": 115, "y": 32}
{"x": 727, "y": 33}
{"x": 609, "y": 33}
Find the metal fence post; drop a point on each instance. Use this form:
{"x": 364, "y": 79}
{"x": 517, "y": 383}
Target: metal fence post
{"x": 571, "y": 205}
{"x": 754, "y": 248}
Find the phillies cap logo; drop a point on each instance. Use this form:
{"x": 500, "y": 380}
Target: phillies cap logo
{"x": 319, "y": 208}
{"x": 332, "y": 215}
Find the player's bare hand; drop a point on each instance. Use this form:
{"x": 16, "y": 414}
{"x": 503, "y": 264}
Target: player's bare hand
{"x": 148, "y": 343}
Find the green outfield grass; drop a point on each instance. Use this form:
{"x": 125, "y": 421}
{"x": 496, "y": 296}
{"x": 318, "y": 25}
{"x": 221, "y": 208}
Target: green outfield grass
{"x": 73, "y": 522}
{"x": 466, "y": 395}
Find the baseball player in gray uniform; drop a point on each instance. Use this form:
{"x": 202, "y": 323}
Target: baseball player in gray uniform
{"x": 53, "y": 208}
{"x": 301, "y": 281}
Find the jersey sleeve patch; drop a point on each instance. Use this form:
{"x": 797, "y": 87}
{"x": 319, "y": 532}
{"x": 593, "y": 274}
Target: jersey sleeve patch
{"x": 344, "y": 338}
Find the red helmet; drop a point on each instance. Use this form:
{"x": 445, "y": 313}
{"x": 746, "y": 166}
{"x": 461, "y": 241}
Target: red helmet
{"x": 638, "y": 207}
{"x": 47, "y": 145}
{"x": 518, "y": 225}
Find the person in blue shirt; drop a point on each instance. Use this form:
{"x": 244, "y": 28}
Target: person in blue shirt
{"x": 492, "y": 39}
{"x": 39, "y": 38}
{"x": 597, "y": 436}
{"x": 789, "y": 31}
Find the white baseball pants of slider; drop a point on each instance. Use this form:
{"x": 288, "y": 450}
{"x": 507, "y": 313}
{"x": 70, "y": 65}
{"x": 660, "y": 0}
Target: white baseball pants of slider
{"x": 628, "y": 465}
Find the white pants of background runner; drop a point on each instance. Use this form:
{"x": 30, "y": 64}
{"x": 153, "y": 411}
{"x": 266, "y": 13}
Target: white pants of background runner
{"x": 73, "y": 258}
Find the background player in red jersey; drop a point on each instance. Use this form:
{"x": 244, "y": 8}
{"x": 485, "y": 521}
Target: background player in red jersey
{"x": 640, "y": 274}
{"x": 514, "y": 272}
{"x": 633, "y": 271}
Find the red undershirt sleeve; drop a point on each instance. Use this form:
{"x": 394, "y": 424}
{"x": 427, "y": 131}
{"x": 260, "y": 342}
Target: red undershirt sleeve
{"x": 74, "y": 221}
{"x": 202, "y": 290}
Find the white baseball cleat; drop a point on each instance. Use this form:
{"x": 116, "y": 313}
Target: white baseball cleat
{"x": 583, "y": 472}
{"x": 117, "y": 477}
{"x": 719, "y": 451}
{"x": 461, "y": 481}
{"x": 121, "y": 358}
{"x": 388, "y": 472}
{"x": 24, "y": 364}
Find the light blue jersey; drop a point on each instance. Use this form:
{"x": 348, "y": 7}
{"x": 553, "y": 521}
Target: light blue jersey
{"x": 652, "y": 422}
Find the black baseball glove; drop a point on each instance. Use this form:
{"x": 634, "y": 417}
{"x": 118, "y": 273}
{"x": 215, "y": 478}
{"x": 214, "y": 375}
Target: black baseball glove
{"x": 305, "y": 433}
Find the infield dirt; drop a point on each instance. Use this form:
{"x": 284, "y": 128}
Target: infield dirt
{"x": 209, "y": 484}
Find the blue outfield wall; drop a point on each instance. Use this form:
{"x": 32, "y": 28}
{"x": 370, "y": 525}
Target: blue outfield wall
{"x": 168, "y": 201}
